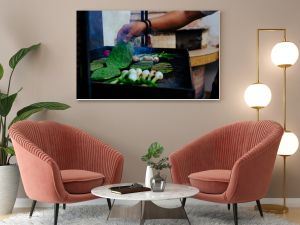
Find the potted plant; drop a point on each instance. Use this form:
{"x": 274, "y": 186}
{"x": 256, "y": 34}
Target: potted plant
{"x": 9, "y": 173}
{"x": 156, "y": 182}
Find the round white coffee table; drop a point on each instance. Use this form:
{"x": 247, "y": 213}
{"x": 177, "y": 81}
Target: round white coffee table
{"x": 145, "y": 208}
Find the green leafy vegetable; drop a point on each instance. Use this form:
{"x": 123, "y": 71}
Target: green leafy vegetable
{"x": 120, "y": 56}
{"x": 144, "y": 65}
{"x": 105, "y": 73}
{"x": 166, "y": 55}
{"x": 96, "y": 64}
{"x": 163, "y": 67}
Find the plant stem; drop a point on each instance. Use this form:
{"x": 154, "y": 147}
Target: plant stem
{"x": 10, "y": 77}
{"x": 0, "y": 125}
{"x": 3, "y": 159}
{"x": 3, "y": 142}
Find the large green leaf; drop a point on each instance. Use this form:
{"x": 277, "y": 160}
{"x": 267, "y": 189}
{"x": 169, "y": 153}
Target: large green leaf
{"x": 155, "y": 150}
{"x": 1, "y": 71}
{"x": 120, "y": 56}
{"x": 27, "y": 111}
{"x": 2, "y": 95}
{"x": 16, "y": 58}
{"x": 6, "y": 103}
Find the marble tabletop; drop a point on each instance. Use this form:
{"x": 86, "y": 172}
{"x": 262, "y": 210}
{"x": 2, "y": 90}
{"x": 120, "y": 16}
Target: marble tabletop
{"x": 172, "y": 191}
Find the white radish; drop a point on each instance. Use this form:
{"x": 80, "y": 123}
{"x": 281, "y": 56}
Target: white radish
{"x": 135, "y": 58}
{"x": 133, "y": 76}
{"x": 158, "y": 76}
{"x": 145, "y": 74}
{"x": 139, "y": 71}
{"x": 155, "y": 59}
{"x": 132, "y": 71}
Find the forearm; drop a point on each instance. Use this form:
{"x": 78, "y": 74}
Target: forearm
{"x": 174, "y": 20}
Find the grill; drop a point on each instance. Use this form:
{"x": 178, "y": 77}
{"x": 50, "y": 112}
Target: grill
{"x": 175, "y": 85}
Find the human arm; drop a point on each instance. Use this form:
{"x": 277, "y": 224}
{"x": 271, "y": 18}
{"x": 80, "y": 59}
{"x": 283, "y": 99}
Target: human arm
{"x": 167, "y": 22}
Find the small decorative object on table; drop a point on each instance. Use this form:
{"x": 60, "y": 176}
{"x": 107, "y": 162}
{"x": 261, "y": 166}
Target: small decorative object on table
{"x": 157, "y": 182}
{"x": 133, "y": 188}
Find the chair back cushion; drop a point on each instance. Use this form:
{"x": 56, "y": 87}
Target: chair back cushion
{"x": 56, "y": 140}
{"x": 235, "y": 140}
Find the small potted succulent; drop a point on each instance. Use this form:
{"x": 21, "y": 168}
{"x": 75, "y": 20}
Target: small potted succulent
{"x": 156, "y": 182}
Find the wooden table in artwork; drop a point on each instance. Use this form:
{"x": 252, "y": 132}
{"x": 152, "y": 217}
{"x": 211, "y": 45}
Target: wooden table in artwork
{"x": 145, "y": 209}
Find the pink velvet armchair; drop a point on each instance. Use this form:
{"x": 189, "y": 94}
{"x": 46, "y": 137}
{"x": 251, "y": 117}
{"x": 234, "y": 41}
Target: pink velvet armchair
{"x": 60, "y": 164}
{"x": 231, "y": 165}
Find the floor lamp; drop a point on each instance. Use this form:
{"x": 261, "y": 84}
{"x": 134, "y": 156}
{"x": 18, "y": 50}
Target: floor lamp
{"x": 258, "y": 95}
{"x": 284, "y": 55}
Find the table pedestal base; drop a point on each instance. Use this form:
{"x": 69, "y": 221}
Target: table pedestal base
{"x": 147, "y": 210}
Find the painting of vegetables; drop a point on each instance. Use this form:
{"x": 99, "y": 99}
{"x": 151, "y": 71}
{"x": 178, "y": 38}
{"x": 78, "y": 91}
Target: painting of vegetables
{"x": 132, "y": 55}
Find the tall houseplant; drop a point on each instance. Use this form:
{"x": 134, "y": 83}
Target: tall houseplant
{"x": 9, "y": 174}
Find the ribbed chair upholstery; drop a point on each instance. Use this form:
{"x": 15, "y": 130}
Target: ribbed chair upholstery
{"x": 232, "y": 164}
{"x": 56, "y": 159}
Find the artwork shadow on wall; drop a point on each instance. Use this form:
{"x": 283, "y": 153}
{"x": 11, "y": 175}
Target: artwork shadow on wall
{"x": 148, "y": 55}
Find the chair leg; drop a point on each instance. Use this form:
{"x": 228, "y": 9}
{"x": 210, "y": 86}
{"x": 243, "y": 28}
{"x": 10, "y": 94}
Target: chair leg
{"x": 259, "y": 208}
{"x": 228, "y": 206}
{"x": 183, "y": 202}
{"x": 108, "y": 203}
{"x": 235, "y": 213}
{"x": 56, "y": 209}
{"x": 64, "y": 206}
{"x": 32, "y": 208}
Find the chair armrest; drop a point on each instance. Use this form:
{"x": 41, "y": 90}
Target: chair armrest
{"x": 99, "y": 157}
{"x": 193, "y": 157}
{"x": 251, "y": 174}
{"x": 40, "y": 174}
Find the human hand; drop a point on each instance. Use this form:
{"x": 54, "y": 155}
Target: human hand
{"x": 130, "y": 31}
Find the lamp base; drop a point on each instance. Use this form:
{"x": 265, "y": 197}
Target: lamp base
{"x": 276, "y": 209}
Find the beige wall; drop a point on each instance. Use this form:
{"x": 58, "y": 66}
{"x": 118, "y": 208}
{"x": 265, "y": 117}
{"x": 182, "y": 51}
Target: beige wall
{"x": 130, "y": 126}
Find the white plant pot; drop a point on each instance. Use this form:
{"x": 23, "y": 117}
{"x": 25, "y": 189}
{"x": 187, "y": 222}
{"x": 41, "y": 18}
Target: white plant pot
{"x": 148, "y": 176}
{"x": 9, "y": 183}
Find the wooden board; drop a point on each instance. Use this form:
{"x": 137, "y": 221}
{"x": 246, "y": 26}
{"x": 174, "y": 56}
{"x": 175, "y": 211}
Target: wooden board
{"x": 204, "y": 56}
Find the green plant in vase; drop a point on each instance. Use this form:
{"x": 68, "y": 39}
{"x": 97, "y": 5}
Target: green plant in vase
{"x": 9, "y": 175}
{"x": 157, "y": 182}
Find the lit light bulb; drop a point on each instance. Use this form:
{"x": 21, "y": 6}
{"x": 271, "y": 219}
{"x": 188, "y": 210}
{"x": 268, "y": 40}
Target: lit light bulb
{"x": 284, "y": 54}
{"x": 257, "y": 95}
{"x": 289, "y": 144}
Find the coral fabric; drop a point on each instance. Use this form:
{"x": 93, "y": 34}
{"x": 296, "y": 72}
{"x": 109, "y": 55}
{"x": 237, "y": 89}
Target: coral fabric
{"x": 247, "y": 148}
{"x": 45, "y": 148}
{"x": 81, "y": 181}
{"x": 211, "y": 181}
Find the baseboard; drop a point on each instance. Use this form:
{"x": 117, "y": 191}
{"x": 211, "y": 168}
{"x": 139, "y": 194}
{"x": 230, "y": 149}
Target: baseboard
{"x": 291, "y": 202}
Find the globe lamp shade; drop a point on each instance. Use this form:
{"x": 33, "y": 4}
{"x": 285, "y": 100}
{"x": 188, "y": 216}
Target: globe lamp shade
{"x": 257, "y": 95}
{"x": 284, "y": 54}
{"x": 289, "y": 144}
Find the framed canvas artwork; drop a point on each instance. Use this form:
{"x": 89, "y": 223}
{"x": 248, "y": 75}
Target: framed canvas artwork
{"x": 147, "y": 54}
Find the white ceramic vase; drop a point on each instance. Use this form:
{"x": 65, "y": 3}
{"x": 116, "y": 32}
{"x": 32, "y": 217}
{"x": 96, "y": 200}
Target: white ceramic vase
{"x": 9, "y": 183}
{"x": 148, "y": 176}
